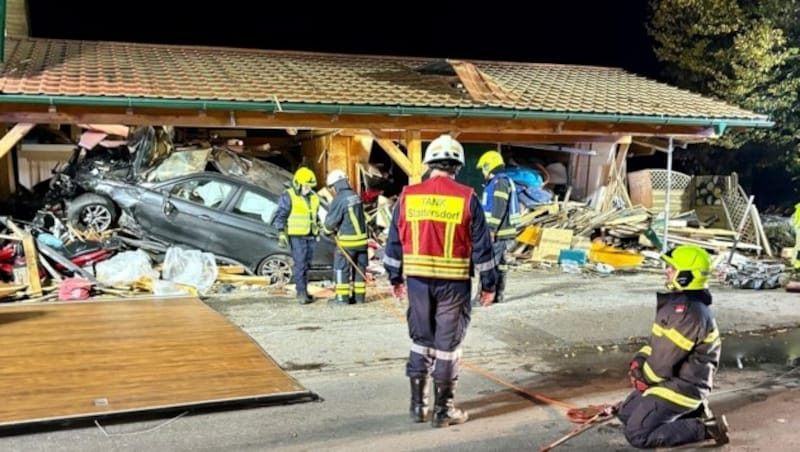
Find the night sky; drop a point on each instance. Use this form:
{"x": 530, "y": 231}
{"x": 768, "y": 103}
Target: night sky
{"x": 605, "y": 33}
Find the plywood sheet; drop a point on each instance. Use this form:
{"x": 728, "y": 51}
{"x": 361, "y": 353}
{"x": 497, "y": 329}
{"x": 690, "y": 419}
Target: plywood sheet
{"x": 84, "y": 359}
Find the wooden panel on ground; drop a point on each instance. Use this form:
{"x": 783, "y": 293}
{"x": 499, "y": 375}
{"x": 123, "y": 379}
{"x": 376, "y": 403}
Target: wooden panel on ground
{"x": 551, "y": 242}
{"x": 81, "y": 360}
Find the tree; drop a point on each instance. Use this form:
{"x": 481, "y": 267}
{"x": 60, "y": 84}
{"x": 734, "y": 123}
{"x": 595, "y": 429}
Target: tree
{"x": 746, "y": 52}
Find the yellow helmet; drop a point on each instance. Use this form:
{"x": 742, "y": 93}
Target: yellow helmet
{"x": 489, "y": 161}
{"x": 692, "y": 266}
{"x": 304, "y": 176}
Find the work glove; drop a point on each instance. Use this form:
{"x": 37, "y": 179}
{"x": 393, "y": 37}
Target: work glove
{"x": 636, "y": 376}
{"x": 399, "y": 291}
{"x": 283, "y": 240}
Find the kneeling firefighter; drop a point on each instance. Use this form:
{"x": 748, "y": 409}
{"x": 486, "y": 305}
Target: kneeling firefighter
{"x": 501, "y": 208}
{"x": 346, "y": 219}
{"x": 673, "y": 374}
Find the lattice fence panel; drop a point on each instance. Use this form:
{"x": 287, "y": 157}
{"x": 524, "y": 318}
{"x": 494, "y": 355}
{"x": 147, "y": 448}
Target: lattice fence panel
{"x": 736, "y": 202}
{"x": 680, "y": 181}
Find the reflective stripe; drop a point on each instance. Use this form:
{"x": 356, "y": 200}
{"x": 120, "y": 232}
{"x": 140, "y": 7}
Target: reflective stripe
{"x": 391, "y": 262}
{"x": 359, "y": 287}
{"x": 646, "y": 350}
{"x": 500, "y": 194}
{"x": 415, "y": 237}
{"x": 674, "y": 336}
{"x": 423, "y": 350}
{"x": 350, "y": 241}
{"x": 673, "y": 396}
{"x": 455, "y": 355}
{"x": 428, "y": 271}
{"x": 438, "y": 354}
{"x": 650, "y": 374}
{"x": 712, "y": 336}
{"x": 449, "y": 232}
{"x": 354, "y": 220}
{"x": 492, "y": 220}
{"x": 486, "y": 266}
{"x": 342, "y": 289}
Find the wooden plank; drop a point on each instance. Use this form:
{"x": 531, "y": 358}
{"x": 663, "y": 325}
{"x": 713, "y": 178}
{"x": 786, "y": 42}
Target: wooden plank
{"x": 396, "y": 155}
{"x": 551, "y": 242}
{"x": 12, "y": 137}
{"x": 641, "y": 188}
{"x": 83, "y": 359}
{"x": 414, "y": 146}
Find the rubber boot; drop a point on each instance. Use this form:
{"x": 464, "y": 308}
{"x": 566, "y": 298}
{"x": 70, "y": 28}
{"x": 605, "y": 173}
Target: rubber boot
{"x": 341, "y": 288}
{"x": 304, "y": 298}
{"x": 717, "y": 429}
{"x": 420, "y": 387}
{"x": 445, "y": 413}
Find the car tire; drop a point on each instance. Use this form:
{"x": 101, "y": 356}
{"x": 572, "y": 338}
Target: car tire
{"x": 278, "y": 267}
{"x": 90, "y": 209}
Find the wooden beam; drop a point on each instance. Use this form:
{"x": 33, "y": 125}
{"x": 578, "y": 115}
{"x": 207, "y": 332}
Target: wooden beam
{"x": 414, "y": 146}
{"x": 12, "y": 137}
{"x": 266, "y": 120}
{"x": 397, "y": 155}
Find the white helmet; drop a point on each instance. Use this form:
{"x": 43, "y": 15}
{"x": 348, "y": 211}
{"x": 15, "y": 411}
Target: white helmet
{"x": 444, "y": 147}
{"x": 335, "y": 176}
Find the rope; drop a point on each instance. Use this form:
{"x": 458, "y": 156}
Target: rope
{"x": 150, "y": 430}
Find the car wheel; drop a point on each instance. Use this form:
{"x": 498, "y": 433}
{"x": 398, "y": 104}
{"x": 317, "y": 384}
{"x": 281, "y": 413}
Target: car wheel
{"x": 90, "y": 210}
{"x": 278, "y": 268}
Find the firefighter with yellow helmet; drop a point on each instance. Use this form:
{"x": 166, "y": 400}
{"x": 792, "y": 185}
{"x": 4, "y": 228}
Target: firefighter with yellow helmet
{"x": 297, "y": 222}
{"x": 673, "y": 374}
{"x": 501, "y": 207}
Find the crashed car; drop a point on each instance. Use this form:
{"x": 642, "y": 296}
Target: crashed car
{"x": 210, "y": 199}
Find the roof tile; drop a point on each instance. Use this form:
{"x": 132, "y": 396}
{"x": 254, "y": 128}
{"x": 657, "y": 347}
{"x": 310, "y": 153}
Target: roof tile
{"x": 59, "y": 67}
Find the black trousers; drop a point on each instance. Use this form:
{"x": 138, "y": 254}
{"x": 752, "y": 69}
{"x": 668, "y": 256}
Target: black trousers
{"x": 302, "y": 254}
{"x": 438, "y": 318}
{"x": 651, "y": 421}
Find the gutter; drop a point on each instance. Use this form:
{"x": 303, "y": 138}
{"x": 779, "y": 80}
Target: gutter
{"x": 720, "y": 123}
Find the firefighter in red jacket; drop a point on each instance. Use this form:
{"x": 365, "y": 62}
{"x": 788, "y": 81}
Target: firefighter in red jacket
{"x": 437, "y": 237}
{"x": 673, "y": 374}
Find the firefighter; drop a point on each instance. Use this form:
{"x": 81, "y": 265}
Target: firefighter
{"x": 501, "y": 207}
{"x": 346, "y": 219}
{"x": 297, "y": 222}
{"x": 673, "y": 374}
{"x": 438, "y": 235}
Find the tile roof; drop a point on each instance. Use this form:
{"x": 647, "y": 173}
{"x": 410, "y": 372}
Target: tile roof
{"x": 86, "y": 68}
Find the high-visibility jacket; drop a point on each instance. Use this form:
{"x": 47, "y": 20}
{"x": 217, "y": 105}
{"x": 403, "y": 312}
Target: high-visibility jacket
{"x": 683, "y": 353}
{"x": 439, "y": 231}
{"x": 501, "y": 206}
{"x": 302, "y": 218}
{"x": 346, "y": 218}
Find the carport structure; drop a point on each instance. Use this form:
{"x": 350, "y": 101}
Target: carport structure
{"x": 339, "y": 105}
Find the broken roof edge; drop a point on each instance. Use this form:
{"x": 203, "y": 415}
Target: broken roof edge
{"x": 756, "y": 121}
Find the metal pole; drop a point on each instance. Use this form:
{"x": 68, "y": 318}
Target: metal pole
{"x": 668, "y": 197}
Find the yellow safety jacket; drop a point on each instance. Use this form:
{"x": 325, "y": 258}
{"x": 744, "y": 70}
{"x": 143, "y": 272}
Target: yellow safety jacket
{"x": 303, "y": 215}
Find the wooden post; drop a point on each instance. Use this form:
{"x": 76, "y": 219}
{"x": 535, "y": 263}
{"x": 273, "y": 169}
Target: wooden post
{"x": 31, "y": 257}
{"x": 397, "y": 155}
{"x": 414, "y": 146}
{"x": 13, "y": 136}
